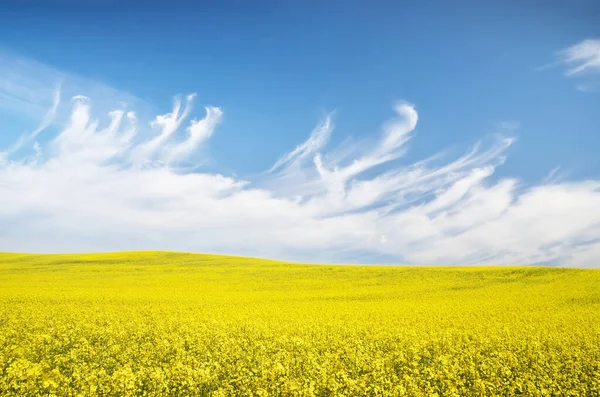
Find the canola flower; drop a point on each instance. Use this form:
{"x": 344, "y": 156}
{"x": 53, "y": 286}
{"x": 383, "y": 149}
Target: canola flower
{"x": 171, "y": 324}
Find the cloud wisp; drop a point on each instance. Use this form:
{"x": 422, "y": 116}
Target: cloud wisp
{"x": 582, "y": 57}
{"x": 115, "y": 180}
{"x": 582, "y": 61}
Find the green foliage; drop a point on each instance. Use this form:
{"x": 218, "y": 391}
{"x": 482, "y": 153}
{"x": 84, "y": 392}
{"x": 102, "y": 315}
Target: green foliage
{"x": 155, "y": 324}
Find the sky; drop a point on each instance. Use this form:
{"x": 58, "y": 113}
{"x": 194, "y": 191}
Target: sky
{"x": 425, "y": 133}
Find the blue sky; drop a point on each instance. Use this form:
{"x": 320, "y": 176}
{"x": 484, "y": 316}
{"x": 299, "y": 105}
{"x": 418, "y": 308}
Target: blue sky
{"x": 272, "y": 72}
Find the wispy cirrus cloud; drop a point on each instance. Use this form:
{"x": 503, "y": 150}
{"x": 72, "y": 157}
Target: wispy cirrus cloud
{"x": 46, "y": 122}
{"x": 582, "y": 60}
{"x": 582, "y": 57}
{"x": 114, "y": 180}
{"x": 317, "y": 140}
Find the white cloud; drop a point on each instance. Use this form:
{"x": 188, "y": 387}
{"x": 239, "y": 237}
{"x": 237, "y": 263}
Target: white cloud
{"x": 116, "y": 182}
{"x": 582, "y": 60}
{"x": 582, "y": 57}
{"x": 198, "y": 132}
{"x": 46, "y": 122}
{"x": 317, "y": 140}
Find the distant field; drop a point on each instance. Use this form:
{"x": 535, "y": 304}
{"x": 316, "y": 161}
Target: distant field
{"x": 152, "y": 323}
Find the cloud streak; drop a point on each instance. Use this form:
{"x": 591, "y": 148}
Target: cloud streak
{"x": 582, "y": 57}
{"x": 115, "y": 180}
{"x": 582, "y": 61}
{"x": 46, "y": 122}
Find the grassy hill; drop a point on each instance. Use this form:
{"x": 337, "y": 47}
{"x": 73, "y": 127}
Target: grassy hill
{"x": 159, "y": 323}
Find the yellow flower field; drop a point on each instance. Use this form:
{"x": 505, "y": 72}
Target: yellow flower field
{"x": 156, "y": 324}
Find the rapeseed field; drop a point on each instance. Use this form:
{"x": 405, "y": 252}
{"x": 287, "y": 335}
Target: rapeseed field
{"x": 171, "y": 324}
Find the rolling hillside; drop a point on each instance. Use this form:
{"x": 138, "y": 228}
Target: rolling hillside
{"x": 159, "y": 323}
